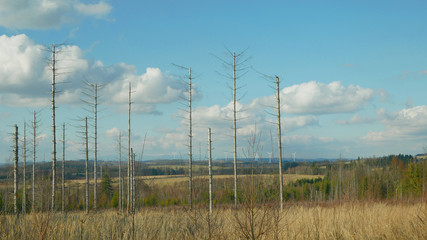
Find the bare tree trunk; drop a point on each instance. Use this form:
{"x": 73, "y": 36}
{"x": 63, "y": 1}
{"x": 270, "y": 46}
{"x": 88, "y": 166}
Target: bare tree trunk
{"x": 15, "y": 172}
{"x": 120, "y": 171}
{"x": 34, "y": 161}
{"x": 53, "y": 128}
{"x": 63, "y": 167}
{"x": 24, "y": 193}
{"x": 279, "y": 130}
{"x": 190, "y": 143}
{"x": 210, "y": 171}
{"x": 129, "y": 152}
{"x": 95, "y": 176}
{"x": 234, "y": 131}
{"x": 87, "y": 166}
{"x": 131, "y": 180}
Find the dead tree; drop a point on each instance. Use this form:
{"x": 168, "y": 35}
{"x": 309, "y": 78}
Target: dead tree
{"x": 133, "y": 182}
{"x": 95, "y": 176}
{"x": 34, "y": 161}
{"x": 53, "y": 126}
{"x": 63, "y": 167}
{"x": 234, "y": 131}
{"x": 188, "y": 101}
{"x": 190, "y": 141}
{"x": 15, "y": 171}
{"x": 87, "y": 166}
{"x": 237, "y": 66}
{"x": 129, "y": 150}
{"x": 276, "y": 83}
{"x": 24, "y": 170}
{"x": 84, "y": 138}
{"x": 120, "y": 171}
{"x": 210, "y": 171}
{"x": 91, "y": 99}
{"x": 279, "y": 140}
{"x": 35, "y": 124}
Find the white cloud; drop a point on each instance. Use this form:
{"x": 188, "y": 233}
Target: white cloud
{"x": 20, "y": 63}
{"x": 41, "y": 137}
{"x": 98, "y": 10}
{"x": 25, "y": 78}
{"x": 152, "y": 87}
{"x": 318, "y": 98}
{"x": 406, "y": 124}
{"x": 113, "y": 132}
{"x": 45, "y": 14}
{"x": 292, "y": 123}
{"x": 174, "y": 140}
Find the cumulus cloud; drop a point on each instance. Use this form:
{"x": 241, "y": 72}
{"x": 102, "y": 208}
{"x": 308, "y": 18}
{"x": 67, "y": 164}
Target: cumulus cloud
{"x": 292, "y": 123}
{"x": 25, "y": 78}
{"x": 113, "y": 132}
{"x": 21, "y": 64}
{"x": 98, "y": 10}
{"x": 45, "y": 14}
{"x": 318, "y": 98}
{"x": 410, "y": 123}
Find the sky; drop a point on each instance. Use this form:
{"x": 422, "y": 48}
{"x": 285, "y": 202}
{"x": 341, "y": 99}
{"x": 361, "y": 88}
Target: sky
{"x": 353, "y": 76}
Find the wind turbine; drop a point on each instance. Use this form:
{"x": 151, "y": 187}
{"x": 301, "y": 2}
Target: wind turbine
{"x": 294, "y": 155}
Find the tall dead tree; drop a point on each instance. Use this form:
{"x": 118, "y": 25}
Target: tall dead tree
{"x": 234, "y": 130}
{"x": 15, "y": 171}
{"x": 95, "y": 159}
{"x": 63, "y": 168}
{"x": 279, "y": 141}
{"x": 92, "y": 100}
{"x": 120, "y": 171}
{"x": 129, "y": 150}
{"x": 87, "y": 166}
{"x": 34, "y": 162}
{"x": 210, "y": 171}
{"x": 238, "y": 69}
{"x": 133, "y": 182}
{"x": 34, "y": 125}
{"x": 53, "y": 127}
{"x": 190, "y": 141}
{"x": 188, "y": 105}
{"x": 24, "y": 171}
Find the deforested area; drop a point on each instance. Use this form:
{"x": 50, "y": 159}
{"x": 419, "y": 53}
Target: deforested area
{"x": 213, "y": 119}
{"x": 352, "y": 220}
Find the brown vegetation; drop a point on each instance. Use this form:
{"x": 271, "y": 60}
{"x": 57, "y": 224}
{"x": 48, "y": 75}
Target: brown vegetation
{"x": 351, "y": 220}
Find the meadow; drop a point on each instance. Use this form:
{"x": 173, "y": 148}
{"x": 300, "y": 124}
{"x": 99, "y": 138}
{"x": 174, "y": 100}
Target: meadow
{"x": 350, "y": 220}
{"x": 382, "y": 198}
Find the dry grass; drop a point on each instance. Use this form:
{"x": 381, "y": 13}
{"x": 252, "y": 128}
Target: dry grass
{"x": 346, "y": 221}
{"x": 163, "y": 180}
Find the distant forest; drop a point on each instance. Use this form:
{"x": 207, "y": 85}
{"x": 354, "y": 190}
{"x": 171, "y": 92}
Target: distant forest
{"x": 388, "y": 178}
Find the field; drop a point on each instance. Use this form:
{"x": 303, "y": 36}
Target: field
{"x": 381, "y": 198}
{"x": 162, "y": 180}
{"x": 349, "y": 220}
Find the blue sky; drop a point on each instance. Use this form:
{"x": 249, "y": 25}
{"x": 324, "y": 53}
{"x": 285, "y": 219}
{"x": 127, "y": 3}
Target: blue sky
{"x": 353, "y": 74}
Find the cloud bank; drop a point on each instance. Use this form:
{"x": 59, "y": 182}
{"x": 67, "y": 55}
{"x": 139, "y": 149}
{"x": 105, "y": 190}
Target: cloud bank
{"x": 45, "y": 14}
{"x": 25, "y": 78}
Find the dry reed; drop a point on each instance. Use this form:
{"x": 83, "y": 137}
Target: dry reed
{"x": 359, "y": 220}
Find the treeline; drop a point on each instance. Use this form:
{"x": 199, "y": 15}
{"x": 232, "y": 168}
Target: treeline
{"x": 395, "y": 177}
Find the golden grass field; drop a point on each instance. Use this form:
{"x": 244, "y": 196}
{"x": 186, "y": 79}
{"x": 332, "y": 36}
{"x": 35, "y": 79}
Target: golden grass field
{"x": 334, "y": 221}
{"x": 162, "y": 180}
